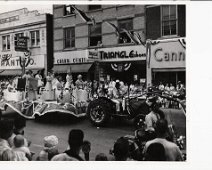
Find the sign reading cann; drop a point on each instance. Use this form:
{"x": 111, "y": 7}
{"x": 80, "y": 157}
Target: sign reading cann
{"x": 21, "y": 44}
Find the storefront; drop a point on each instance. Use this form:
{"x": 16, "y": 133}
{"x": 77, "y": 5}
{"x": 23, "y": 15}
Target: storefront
{"x": 75, "y": 61}
{"x": 166, "y": 61}
{"x": 126, "y": 63}
{"x": 10, "y": 63}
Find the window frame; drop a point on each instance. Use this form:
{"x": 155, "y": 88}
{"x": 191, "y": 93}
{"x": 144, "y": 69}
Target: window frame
{"x": 36, "y": 38}
{"x": 93, "y": 9}
{"x": 6, "y": 40}
{"x": 70, "y": 38}
{"x": 122, "y": 32}
{"x": 162, "y": 21}
{"x": 65, "y": 11}
{"x": 95, "y": 35}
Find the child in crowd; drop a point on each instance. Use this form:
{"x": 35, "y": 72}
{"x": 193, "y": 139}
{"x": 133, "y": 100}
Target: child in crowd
{"x": 101, "y": 157}
{"x": 22, "y": 152}
{"x": 50, "y": 148}
{"x": 8, "y": 155}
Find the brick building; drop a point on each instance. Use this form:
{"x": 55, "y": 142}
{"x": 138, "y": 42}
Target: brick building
{"x": 39, "y": 30}
{"x": 76, "y": 42}
{"x": 166, "y": 32}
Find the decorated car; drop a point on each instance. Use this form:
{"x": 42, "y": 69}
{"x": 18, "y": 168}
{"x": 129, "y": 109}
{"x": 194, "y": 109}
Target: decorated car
{"x": 25, "y": 101}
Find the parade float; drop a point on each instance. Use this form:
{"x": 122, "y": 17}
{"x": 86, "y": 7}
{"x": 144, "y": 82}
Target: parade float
{"x": 27, "y": 103}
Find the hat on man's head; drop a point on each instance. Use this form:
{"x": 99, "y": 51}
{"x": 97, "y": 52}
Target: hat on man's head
{"x": 76, "y": 137}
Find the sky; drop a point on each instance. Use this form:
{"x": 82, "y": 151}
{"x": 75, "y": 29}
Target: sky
{"x": 42, "y": 8}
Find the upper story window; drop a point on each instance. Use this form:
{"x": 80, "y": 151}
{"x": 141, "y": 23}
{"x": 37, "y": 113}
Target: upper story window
{"x": 94, "y": 7}
{"x": 125, "y": 24}
{"x": 69, "y": 37}
{"x": 169, "y": 20}
{"x": 68, "y": 10}
{"x": 5, "y": 42}
{"x": 19, "y": 35}
{"x": 35, "y": 38}
{"x": 95, "y": 32}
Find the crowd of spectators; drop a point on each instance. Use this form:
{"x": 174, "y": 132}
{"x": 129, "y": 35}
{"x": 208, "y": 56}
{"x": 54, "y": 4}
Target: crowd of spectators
{"x": 14, "y": 146}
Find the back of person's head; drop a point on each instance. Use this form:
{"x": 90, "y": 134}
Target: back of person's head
{"x": 161, "y": 127}
{"x": 18, "y": 141}
{"x": 75, "y": 139}
{"x": 101, "y": 157}
{"x": 121, "y": 149}
{"x": 155, "y": 152}
{"x": 19, "y": 125}
{"x": 8, "y": 155}
{"x": 6, "y": 128}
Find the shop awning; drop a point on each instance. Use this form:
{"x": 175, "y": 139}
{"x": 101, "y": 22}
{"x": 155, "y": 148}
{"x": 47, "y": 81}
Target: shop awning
{"x": 10, "y": 72}
{"x": 15, "y": 72}
{"x": 79, "y": 68}
{"x": 168, "y": 69}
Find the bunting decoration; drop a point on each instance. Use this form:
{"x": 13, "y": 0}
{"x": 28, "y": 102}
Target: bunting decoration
{"x": 114, "y": 27}
{"x": 182, "y": 42}
{"x": 84, "y": 16}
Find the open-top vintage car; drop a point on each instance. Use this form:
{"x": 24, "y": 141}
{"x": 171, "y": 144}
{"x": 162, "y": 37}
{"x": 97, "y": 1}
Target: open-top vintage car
{"x": 102, "y": 109}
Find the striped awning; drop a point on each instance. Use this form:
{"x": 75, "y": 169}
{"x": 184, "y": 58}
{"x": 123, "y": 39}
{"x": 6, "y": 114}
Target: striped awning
{"x": 15, "y": 72}
{"x": 79, "y": 68}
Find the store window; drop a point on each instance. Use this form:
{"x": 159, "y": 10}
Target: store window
{"x": 94, "y": 7}
{"x": 35, "y": 38}
{"x": 68, "y": 10}
{"x": 95, "y": 32}
{"x": 69, "y": 37}
{"x": 126, "y": 24}
{"x": 169, "y": 20}
{"x": 6, "y": 43}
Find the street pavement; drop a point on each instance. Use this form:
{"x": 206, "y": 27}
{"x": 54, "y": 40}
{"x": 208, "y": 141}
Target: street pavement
{"x": 102, "y": 138}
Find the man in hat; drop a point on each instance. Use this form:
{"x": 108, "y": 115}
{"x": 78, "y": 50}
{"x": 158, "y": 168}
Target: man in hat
{"x": 75, "y": 142}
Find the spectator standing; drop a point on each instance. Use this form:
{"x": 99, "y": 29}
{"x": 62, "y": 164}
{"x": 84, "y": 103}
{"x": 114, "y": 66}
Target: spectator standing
{"x": 161, "y": 86}
{"x": 39, "y": 77}
{"x": 121, "y": 150}
{"x": 6, "y": 129}
{"x": 22, "y": 152}
{"x": 8, "y": 155}
{"x": 155, "y": 152}
{"x": 75, "y": 142}
{"x": 172, "y": 151}
{"x": 50, "y": 148}
{"x": 172, "y": 88}
{"x": 101, "y": 157}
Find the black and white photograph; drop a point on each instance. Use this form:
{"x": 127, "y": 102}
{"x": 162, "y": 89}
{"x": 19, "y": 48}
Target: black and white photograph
{"x": 93, "y": 82}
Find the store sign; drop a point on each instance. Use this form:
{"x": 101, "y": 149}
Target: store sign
{"x": 73, "y": 57}
{"x": 168, "y": 54}
{"x": 129, "y": 53}
{"x": 21, "y": 44}
{"x": 93, "y": 55}
{"x": 10, "y": 61}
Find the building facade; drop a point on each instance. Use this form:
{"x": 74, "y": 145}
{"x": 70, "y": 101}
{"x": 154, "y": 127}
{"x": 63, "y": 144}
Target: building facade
{"x": 99, "y": 51}
{"x": 38, "y": 28}
{"x": 166, "y": 45}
